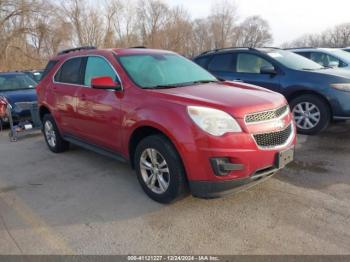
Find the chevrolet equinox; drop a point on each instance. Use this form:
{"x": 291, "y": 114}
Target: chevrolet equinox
{"x": 177, "y": 125}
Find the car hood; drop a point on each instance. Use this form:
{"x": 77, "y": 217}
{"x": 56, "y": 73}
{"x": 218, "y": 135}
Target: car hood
{"x": 238, "y": 99}
{"x": 344, "y": 73}
{"x": 24, "y": 95}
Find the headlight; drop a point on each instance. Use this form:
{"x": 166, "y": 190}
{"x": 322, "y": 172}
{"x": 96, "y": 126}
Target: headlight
{"x": 342, "y": 87}
{"x": 213, "y": 121}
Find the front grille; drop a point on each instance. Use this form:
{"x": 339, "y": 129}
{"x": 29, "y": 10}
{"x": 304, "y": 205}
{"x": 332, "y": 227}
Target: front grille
{"x": 267, "y": 115}
{"x": 273, "y": 139}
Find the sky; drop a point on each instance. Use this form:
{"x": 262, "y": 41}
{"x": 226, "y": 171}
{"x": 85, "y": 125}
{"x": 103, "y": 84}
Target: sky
{"x": 288, "y": 19}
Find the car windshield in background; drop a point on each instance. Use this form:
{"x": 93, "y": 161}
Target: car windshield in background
{"x": 37, "y": 76}
{"x": 340, "y": 54}
{"x": 163, "y": 70}
{"x": 13, "y": 82}
{"x": 294, "y": 61}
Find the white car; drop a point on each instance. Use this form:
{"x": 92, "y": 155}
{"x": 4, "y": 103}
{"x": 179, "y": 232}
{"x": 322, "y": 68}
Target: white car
{"x": 327, "y": 57}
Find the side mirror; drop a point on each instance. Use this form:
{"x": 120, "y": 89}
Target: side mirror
{"x": 105, "y": 82}
{"x": 268, "y": 70}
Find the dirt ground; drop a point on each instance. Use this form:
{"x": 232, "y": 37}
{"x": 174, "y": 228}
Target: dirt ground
{"x": 83, "y": 203}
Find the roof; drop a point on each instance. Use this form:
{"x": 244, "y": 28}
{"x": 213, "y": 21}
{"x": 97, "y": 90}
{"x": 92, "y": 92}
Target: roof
{"x": 232, "y": 49}
{"x": 311, "y": 49}
{"x": 118, "y": 51}
{"x": 11, "y": 73}
{"x": 135, "y": 51}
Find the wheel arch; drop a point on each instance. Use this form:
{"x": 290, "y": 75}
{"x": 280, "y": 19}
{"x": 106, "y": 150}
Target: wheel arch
{"x": 296, "y": 94}
{"x": 43, "y": 110}
{"x": 144, "y": 131}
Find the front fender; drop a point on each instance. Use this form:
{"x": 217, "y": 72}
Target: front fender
{"x": 171, "y": 120}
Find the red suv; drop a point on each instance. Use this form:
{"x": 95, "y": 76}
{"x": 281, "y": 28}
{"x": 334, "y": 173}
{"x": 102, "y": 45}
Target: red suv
{"x": 175, "y": 123}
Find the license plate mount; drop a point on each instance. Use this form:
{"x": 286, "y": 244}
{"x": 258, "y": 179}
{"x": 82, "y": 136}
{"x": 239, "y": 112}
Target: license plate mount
{"x": 285, "y": 157}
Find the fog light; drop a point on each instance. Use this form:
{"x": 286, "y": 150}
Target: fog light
{"x": 222, "y": 166}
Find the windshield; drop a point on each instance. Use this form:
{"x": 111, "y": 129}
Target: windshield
{"x": 36, "y": 76}
{"x": 13, "y": 82}
{"x": 294, "y": 61}
{"x": 340, "y": 54}
{"x": 163, "y": 70}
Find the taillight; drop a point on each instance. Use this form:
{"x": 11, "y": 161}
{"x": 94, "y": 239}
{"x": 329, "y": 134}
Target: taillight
{"x": 3, "y": 107}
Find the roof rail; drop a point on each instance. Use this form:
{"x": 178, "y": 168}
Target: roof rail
{"x": 66, "y": 51}
{"x": 272, "y": 47}
{"x": 305, "y": 47}
{"x": 138, "y": 47}
{"x": 227, "y": 48}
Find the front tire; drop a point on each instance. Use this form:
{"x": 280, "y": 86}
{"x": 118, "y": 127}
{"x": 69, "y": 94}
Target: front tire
{"x": 159, "y": 169}
{"x": 311, "y": 114}
{"x": 53, "y": 138}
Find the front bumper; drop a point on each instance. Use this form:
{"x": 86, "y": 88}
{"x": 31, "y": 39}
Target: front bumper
{"x": 341, "y": 117}
{"x": 248, "y": 164}
{"x": 18, "y": 117}
{"x": 215, "y": 189}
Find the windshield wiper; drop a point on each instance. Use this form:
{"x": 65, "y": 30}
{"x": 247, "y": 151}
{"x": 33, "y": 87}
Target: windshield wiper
{"x": 205, "y": 81}
{"x": 161, "y": 86}
{"x": 181, "y": 84}
{"x": 313, "y": 69}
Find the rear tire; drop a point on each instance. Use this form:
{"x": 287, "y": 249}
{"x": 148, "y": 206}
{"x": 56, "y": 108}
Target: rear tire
{"x": 311, "y": 113}
{"x": 53, "y": 138}
{"x": 159, "y": 169}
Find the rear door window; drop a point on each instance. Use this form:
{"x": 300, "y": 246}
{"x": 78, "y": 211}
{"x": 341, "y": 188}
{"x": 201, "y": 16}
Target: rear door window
{"x": 304, "y": 54}
{"x": 70, "y": 72}
{"x": 221, "y": 62}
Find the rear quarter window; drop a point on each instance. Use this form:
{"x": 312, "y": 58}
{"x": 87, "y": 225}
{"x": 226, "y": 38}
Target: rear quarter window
{"x": 203, "y": 61}
{"x": 48, "y": 68}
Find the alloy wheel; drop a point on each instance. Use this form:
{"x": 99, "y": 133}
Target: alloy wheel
{"x": 50, "y": 133}
{"x": 306, "y": 115}
{"x": 154, "y": 170}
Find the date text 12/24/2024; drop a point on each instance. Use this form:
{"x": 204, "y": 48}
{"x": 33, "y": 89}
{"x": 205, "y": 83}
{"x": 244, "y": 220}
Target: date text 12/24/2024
{"x": 173, "y": 258}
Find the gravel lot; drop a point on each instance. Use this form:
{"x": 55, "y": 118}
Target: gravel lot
{"x": 83, "y": 203}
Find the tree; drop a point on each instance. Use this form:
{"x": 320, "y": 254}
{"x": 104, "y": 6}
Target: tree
{"x": 153, "y": 15}
{"x": 202, "y": 39}
{"x": 177, "y": 32}
{"x": 15, "y": 20}
{"x": 33, "y": 30}
{"x": 339, "y": 36}
{"x": 253, "y": 32}
{"x": 222, "y": 23}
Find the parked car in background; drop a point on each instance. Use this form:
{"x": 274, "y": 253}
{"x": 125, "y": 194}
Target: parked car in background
{"x": 173, "y": 121}
{"x": 327, "y": 57}
{"x": 316, "y": 94}
{"x": 347, "y": 49}
{"x": 17, "y": 87}
{"x": 34, "y": 74}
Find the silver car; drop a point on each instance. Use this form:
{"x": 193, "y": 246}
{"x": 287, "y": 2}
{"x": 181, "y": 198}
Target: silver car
{"x": 327, "y": 57}
{"x": 347, "y": 49}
